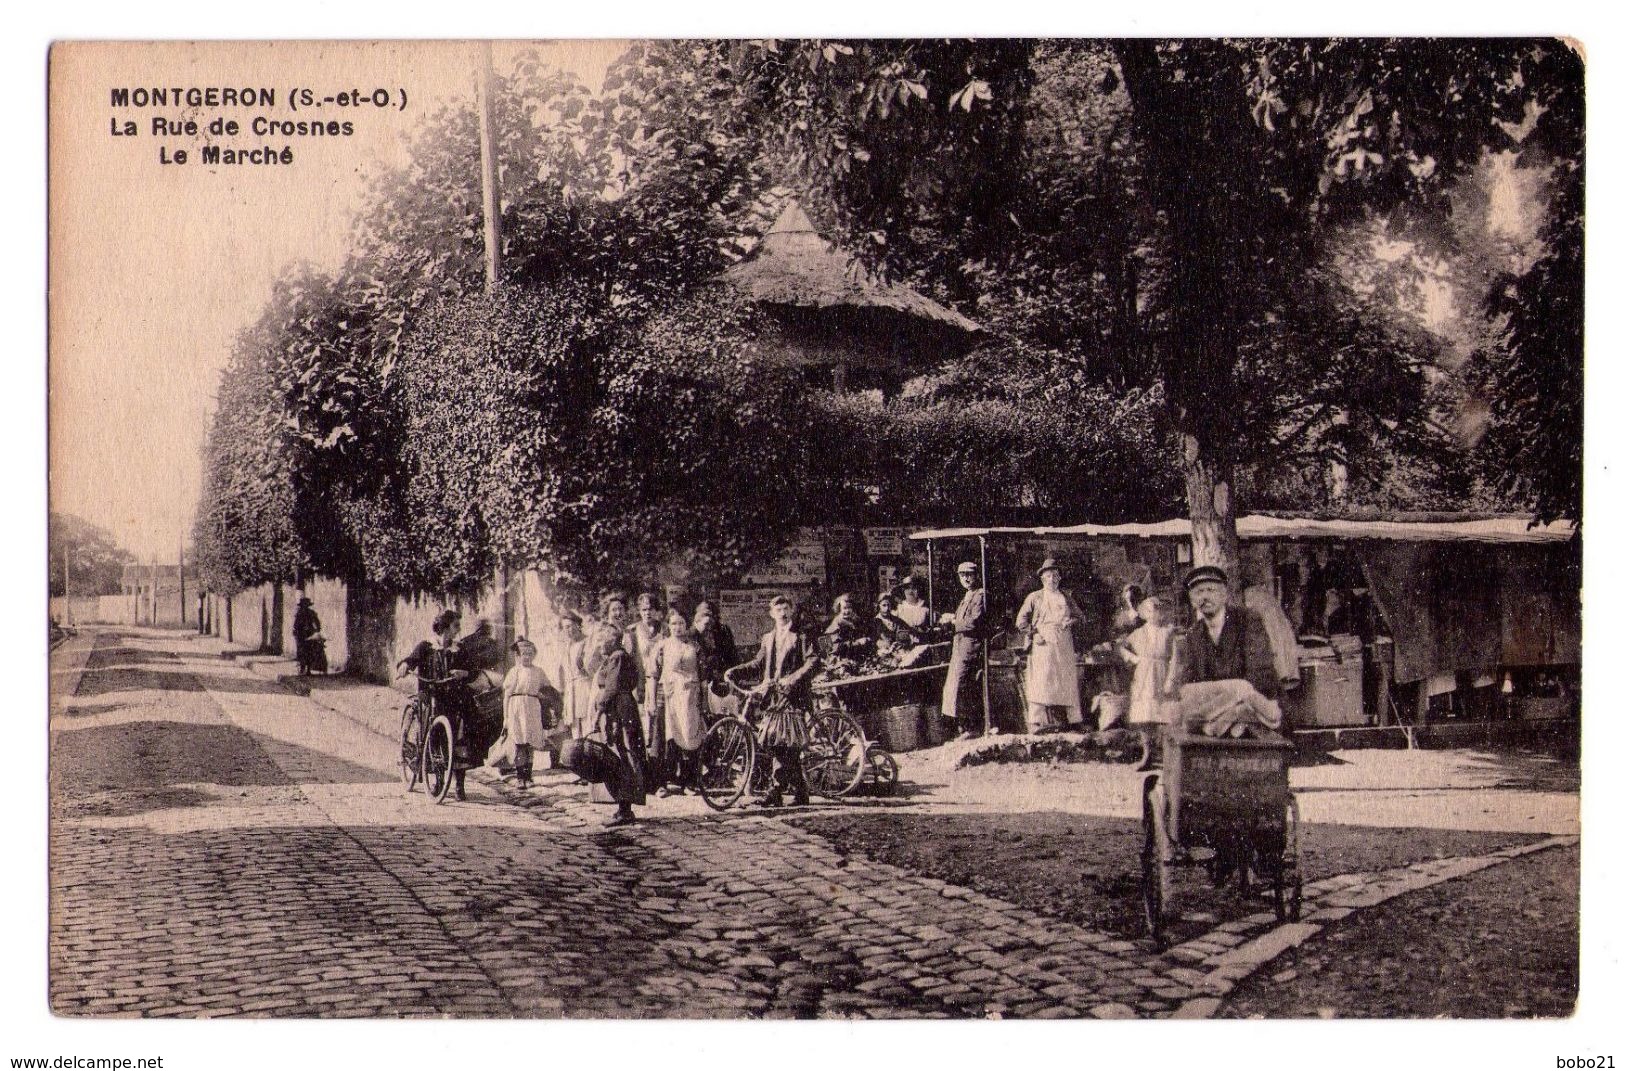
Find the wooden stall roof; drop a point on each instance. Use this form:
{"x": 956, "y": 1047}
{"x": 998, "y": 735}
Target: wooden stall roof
{"x": 1254, "y": 526}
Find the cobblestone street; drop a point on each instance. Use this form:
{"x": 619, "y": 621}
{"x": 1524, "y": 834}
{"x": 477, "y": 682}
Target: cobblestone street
{"x": 222, "y": 846}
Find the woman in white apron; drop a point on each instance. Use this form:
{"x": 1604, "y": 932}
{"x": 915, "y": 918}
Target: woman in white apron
{"x": 580, "y": 710}
{"x": 677, "y": 668}
{"x": 1047, "y": 618}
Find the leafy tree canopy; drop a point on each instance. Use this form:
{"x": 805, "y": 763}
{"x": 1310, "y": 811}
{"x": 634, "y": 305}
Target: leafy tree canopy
{"x": 84, "y": 555}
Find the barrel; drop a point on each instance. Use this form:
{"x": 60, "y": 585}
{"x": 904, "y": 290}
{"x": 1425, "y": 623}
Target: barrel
{"x": 901, "y": 727}
{"x": 934, "y": 731}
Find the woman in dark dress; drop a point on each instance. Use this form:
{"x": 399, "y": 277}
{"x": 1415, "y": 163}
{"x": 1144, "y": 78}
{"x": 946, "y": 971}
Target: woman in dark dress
{"x": 445, "y": 671}
{"x": 619, "y": 724}
{"x": 309, "y": 649}
{"x": 718, "y": 652}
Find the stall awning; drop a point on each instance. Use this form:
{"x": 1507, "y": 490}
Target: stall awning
{"x": 1256, "y": 526}
{"x": 969, "y": 533}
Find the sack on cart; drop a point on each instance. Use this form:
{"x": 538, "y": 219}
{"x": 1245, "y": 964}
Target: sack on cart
{"x": 1228, "y": 708}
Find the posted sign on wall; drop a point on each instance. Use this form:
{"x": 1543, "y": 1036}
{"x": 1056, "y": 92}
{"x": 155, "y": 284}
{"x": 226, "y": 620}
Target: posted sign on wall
{"x": 883, "y": 542}
{"x": 803, "y": 562}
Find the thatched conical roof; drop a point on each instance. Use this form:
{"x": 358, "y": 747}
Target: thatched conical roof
{"x": 794, "y": 266}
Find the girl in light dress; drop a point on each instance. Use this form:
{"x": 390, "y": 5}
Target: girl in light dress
{"x": 677, "y": 669}
{"x": 1148, "y": 649}
{"x": 525, "y": 693}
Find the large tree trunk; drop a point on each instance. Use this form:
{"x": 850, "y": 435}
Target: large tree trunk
{"x": 273, "y": 638}
{"x": 1212, "y": 509}
{"x": 369, "y": 629}
{"x": 1185, "y": 171}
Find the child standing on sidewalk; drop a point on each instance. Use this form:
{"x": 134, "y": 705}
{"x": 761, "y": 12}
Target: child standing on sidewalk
{"x": 525, "y": 691}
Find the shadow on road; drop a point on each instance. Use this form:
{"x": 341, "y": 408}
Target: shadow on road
{"x": 149, "y": 755}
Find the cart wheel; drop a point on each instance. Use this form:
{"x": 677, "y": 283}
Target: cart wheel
{"x": 1221, "y": 866}
{"x": 437, "y": 759}
{"x": 834, "y": 758}
{"x": 885, "y": 770}
{"x": 1289, "y": 874}
{"x": 727, "y": 762}
{"x": 1156, "y": 885}
{"x": 411, "y": 758}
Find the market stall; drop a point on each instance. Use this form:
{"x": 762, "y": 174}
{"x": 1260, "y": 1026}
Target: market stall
{"x": 1395, "y": 616}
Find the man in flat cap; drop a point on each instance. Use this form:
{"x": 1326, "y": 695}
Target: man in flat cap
{"x": 1227, "y": 641}
{"x": 962, "y": 691}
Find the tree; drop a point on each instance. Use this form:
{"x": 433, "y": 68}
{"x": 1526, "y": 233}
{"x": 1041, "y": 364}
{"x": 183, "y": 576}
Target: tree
{"x": 543, "y": 430}
{"x": 1531, "y": 368}
{"x": 86, "y": 556}
{"x": 244, "y": 534}
{"x": 1253, "y": 157}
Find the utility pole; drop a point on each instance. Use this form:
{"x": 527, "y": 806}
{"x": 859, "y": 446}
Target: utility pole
{"x": 490, "y": 146}
{"x": 491, "y": 209}
{"x": 180, "y": 575}
{"x": 67, "y": 582}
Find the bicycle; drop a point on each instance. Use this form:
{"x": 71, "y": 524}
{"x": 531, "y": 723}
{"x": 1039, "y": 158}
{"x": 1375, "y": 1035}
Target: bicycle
{"x": 833, "y": 761}
{"x": 429, "y": 748}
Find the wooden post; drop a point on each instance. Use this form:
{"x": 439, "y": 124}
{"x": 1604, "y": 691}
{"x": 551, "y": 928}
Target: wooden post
{"x": 931, "y": 579}
{"x": 987, "y": 706}
{"x": 491, "y": 210}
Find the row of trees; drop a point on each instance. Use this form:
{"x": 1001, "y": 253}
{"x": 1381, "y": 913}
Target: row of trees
{"x": 1204, "y": 266}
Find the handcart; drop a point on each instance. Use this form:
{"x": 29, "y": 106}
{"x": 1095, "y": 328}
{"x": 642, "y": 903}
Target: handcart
{"x": 1225, "y": 804}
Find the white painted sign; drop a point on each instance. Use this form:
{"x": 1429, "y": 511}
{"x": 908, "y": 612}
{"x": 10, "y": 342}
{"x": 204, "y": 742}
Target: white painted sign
{"x": 883, "y": 542}
{"x": 803, "y": 562}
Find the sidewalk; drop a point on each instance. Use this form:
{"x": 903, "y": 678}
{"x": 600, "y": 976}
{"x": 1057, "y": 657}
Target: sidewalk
{"x": 377, "y": 708}
{"x": 1452, "y": 789}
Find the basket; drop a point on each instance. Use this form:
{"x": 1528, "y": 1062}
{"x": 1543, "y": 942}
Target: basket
{"x": 901, "y": 727}
{"x": 590, "y": 760}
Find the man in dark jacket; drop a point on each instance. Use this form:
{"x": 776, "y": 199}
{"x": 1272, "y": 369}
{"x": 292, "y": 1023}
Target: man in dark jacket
{"x": 1227, "y": 641}
{"x": 962, "y": 690}
{"x": 784, "y": 663}
{"x": 310, "y": 650}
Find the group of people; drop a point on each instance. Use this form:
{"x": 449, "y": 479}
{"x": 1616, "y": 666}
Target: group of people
{"x": 625, "y": 693}
{"x": 626, "y": 699}
{"x": 633, "y": 695}
{"x": 1226, "y": 642}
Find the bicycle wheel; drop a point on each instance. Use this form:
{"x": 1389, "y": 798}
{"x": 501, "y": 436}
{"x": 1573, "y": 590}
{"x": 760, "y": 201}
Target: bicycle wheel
{"x": 727, "y": 760}
{"x": 835, "y": 756}
{"x": 885, "y": 771}
{"x": 437, "y": 759}
{"x": 411, "y": 758}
